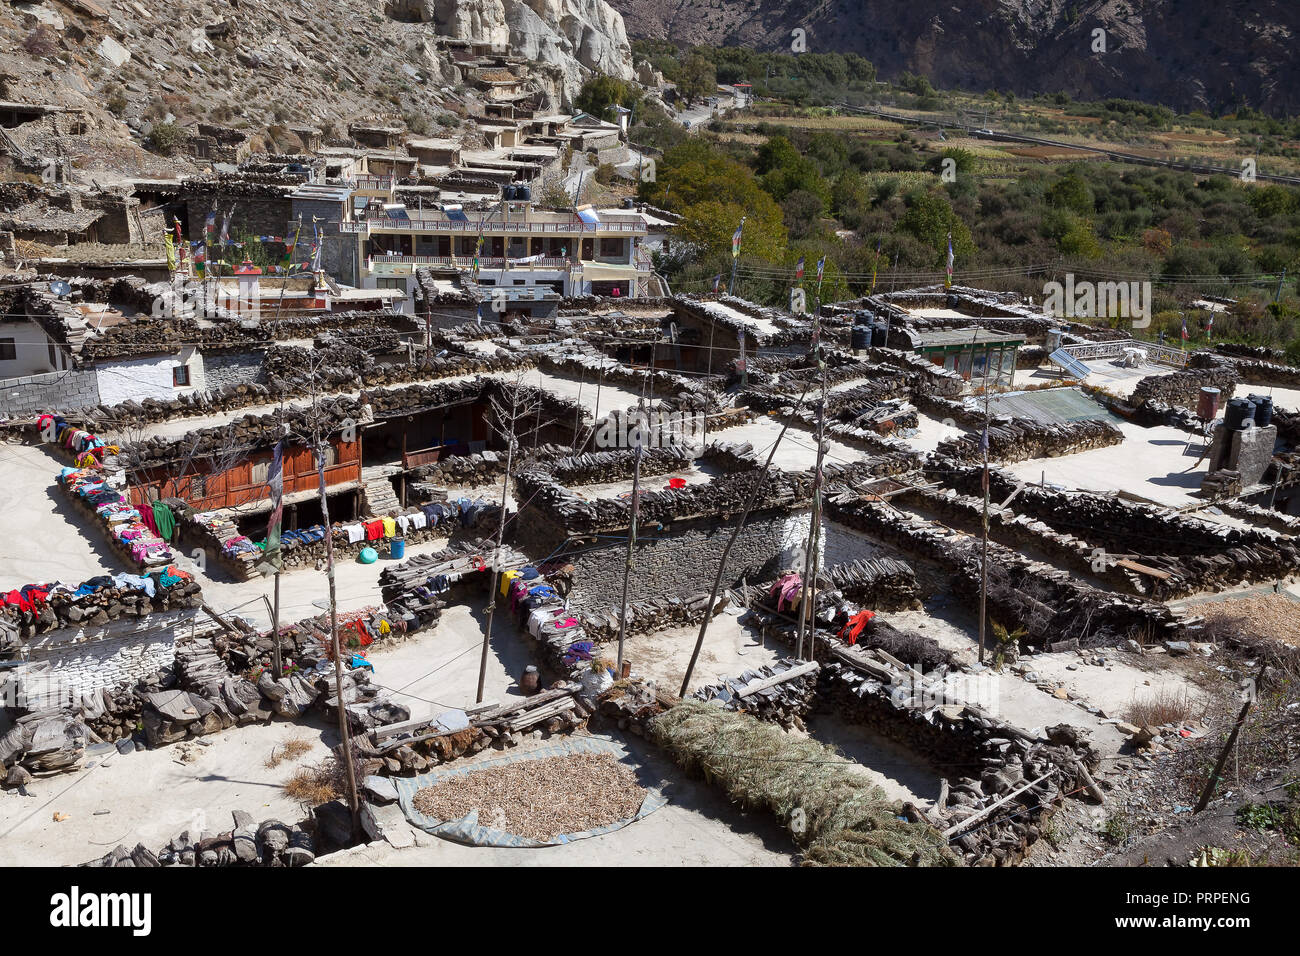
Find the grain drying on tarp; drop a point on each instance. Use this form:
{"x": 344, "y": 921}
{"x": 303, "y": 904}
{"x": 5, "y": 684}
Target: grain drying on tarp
{"x": 539, "y": 799}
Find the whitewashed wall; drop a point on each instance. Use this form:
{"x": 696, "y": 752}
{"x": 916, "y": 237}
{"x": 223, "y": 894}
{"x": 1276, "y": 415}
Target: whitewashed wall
{"x": 148, "y": 377}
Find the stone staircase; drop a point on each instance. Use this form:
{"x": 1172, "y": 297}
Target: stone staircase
{"x": 381, "y": 499}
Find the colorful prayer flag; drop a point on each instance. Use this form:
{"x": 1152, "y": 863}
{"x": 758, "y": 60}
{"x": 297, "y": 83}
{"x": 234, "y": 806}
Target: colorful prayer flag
{"x": 735, "y": 240}
{"x": 948, "y": 282}
{"x": 798, "y": 268}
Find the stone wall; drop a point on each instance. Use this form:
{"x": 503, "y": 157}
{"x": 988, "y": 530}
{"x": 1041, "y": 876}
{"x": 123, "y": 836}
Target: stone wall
{"x": 229, "y": 369}
{"x": 33, "y": 394}
{"x": 679, "y": 561}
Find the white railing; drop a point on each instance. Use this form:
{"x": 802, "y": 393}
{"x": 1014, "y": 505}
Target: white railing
{"x": 386, "y": 224}
{"x": 1163, "y": 354}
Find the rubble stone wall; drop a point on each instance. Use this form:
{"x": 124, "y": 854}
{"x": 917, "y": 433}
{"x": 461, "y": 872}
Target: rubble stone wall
{"x": 33, "y": 394}
{"x": 226, "y": 370}
{"x": 681, "y": 561}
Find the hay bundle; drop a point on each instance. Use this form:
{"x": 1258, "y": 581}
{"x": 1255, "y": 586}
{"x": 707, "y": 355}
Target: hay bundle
{"x": 834, "y": 812}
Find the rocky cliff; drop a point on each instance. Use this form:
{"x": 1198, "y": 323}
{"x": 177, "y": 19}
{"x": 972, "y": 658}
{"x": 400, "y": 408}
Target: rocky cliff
{"x": 269, "y": 66}
{"x": 1186, "y": 54}
{"x": 569, "y": 35}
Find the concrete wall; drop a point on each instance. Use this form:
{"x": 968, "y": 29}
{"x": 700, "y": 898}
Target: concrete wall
{"x": 67, "y": 664}
{"x": 53, "y": 391}
{"x": 148, "y": 377}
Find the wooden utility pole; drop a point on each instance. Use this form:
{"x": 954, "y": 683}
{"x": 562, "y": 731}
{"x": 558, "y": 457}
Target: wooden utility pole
{"x": 501, "y": 531}
{"x": 984, "y": 559}
{"x": 812, "y": 562}
{"x": 1208, "y": 793}
{"x": 344, "y": 733}
{"x": 726, "y": 552}
{"x": 642, "y": 426}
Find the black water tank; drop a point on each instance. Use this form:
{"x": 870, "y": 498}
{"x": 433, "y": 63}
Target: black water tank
{"x": 510, "y": 192}
{"x": 1263, "y": 410}
{"x": 861, "y": 337}
{"x": 1238, "y": 412}
{"x": 524, "y": 193}
{"x": 629, "y": 202}
{"x": 879, "y": 336}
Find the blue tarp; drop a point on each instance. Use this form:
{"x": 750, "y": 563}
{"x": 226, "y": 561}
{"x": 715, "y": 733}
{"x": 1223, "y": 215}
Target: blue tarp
{"x": 468, "y": 830}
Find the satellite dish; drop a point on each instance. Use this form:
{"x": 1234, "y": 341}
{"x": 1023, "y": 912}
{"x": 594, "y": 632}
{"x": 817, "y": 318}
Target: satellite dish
{"x": 59, "y": 287}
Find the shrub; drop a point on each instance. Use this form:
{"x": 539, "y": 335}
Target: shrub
{"x": 1165, "y": 706}
{"x": 165, "y": 138}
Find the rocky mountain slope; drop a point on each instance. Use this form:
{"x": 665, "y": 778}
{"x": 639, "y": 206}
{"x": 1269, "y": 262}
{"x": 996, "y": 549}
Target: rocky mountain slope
{"x": 1187, "y": 54}
{"x": 266, "y": 66}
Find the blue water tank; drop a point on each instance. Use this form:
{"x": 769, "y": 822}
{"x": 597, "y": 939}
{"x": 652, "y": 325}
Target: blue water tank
{"x": 860, "y": 338}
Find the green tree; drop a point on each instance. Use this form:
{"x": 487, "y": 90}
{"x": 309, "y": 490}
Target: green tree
{"x": 930, "y": 218}
{"x": 698, "y": 78}
{"x": 601, "y": 92}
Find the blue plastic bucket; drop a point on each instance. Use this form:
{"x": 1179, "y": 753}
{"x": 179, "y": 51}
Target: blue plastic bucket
{"x": 397, "y": 548}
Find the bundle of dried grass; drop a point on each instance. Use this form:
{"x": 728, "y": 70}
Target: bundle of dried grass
{"x": 839, "y": 817}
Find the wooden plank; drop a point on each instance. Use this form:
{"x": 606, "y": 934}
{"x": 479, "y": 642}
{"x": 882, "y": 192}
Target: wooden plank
{"x": 970, "y": 821}
{"x": 1144, "y": 569}
{"x": 805, "y": 668}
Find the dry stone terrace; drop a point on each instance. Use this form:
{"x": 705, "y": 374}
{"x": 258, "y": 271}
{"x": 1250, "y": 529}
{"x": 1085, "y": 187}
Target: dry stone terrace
{"x": 130, "y": 656}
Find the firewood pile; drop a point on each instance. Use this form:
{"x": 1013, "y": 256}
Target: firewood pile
{"x": 1019, "y": 439}
{"x": 877, "y": 583}
{"x": 1267, "y": 517}
{"x": 265, "y": 430}
{"x": 407, "y": 747}
{"x": 937, "y": 406}
{"x": 1224, "y": 483}
{"x": 782, "y": 692}
{"x": 993, "y": 818}
{"x": 1047, "y": 601}
{"x": 646, "y": 617}
{"x": 862, "y": 431}
{"x": 1148, "y": 550}
{"x": 1184, "y": 387}
{"x": 608, "y": 466}
{"x": 668, "y": 389}
{"x": 927, "y": 379}
{"x": 726, "y": 493}
{"x": 462, "y": 470}
{"x": 43, "y": 741}
{"x": 132, "y": 413}
{"x": 61, "y": 609}
{"x": 270, "y": 843}
{"x": 889, "y": 416}
{"x": 1261, "y": 372}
